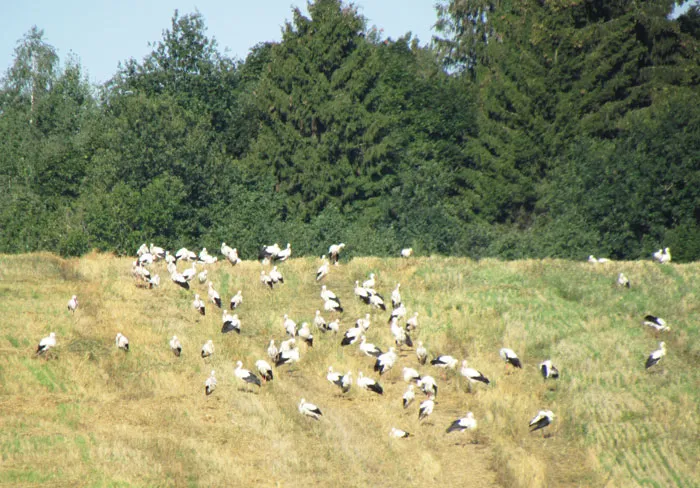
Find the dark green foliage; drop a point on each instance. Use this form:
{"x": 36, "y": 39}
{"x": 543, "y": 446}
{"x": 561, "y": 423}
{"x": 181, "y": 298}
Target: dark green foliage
{"x": 559, "y": 129}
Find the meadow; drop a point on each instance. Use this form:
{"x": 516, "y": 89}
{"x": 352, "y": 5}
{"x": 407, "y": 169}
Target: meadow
{"x": 88, "y": 414}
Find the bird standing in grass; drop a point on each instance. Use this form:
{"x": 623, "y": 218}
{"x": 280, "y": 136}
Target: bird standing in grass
{"x": 385, "y": 361}
{"x": 426, "y": 407}
{"x": 208, "y": 349}
{"x": 656, "y": 323}
{"x": 421, "y": 353}
{"x": 46, "y": 343}
{"x": 122, "y": 342}
{"x": 367, "y": 383}
{"x": 230, "y": 323}
{"x": 334, "y": 252}
{"x": 396, "y": 296}
{"x": 548, "y": 370}
{"x": 656, "y": 356}
{"x": 408, "y": 396}
{"x": 175, "y": 346}
{"x": 246, "y": 376}
{"x": 510, "y": 358}
{"x": 541, "y": 420}
{"x": 622, "y": 280}
{"x": 73, "y": 303}
{"x": 272, "y": 351}
{"x": 323, "y": 269}
{"x": 472, "y": 374}
{"x": 398, "y": 433}
{"x": 198, "y": 305}
{"x": 264, "y": 369}
{"x": 406, "y": 252}
{"x": 214, "y": 295}
{"x": 210, "y": 383}
{"x": 236, "y": 300}
{"x": 369, "y": 348}
{"x": 309, "y": 409}
{"x": 468, "y": 422}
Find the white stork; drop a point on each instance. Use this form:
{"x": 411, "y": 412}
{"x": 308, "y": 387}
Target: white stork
{"x": 548, "y": 369}
{"x": 245, "y": 375}
{"x": 210, "y": 383}
{"x": 510, "y": 357}
{"x": 398, "y": 433}
{"x": 198, "y": 305}
{"x": 656, "y": 323}
{"x": 408, "y": 396}
{"x": 268, "y": 252}
{"x": 320, "y": 322}
{"x": 377, "y": 301}
{"x": 362, "y": 293}
{"x": 264, "y": 369}
{"x": 367, "y": 383}
{"x": 344, "y": 382}
{"x": 622, "y": 280}
{"x": 364, "y": 322}
{"x": 656, "y": 356}
{"x": 396, "y": 296}
{"x": 266, "y": 279}
{"x": 179, "y": 280}
{"x": 143, "y": 249}
{"x": 472, "y": 374}
{"x": 385, "y": 361}
{"x": 73, "y": 303}
{"x": 225, "y": 249}
{"x": 203, "y": 276}
{"x": 468, "y": 422}
{"x": 406, "y": 252}
{"x": 663, "y": 256}
{"x": 154, "y": 281}
{"x": 370, "y": 282}
{"x": 236, "y": 300}
{"x": 272, "y": 351}
{"x": 175, "y": 346}
{"x": 283, "y": 254}
{"x": 232, "y": 257}
{"x": 207, "y": 258}
{"x": 208, "y": 348}
{"x": 323, "y": 269}
{"x": 421, "y": 353}
{"x": 288, "y": 345}
{"x": 287, "y": 357}
{"x": 412, "y": 322}
{"x": 309, "y": 409}
{"x": 332, "y": 306}
{"x": 327, "y": 294}
{"x": 426, "y": 407}
{"x": 334, "y": 326}
{"x": 541, "y": 420}
{"x": 289, "y": 326}
{"x": 184, "y": 254}
{"x": 214, "y": 295}
{"x": 410, "y": 375}
{"x": 230, "y": 323}
{"x": 428, "y": 385}
{"x": 351, "y": 336}
{"x": 157, "y": 252}
{"x": 190, "y": 273}
{"x": 46, "y": 343}
{"x": 305, "y": 333}
{"x": 397, "y": 313}
{"x": 444, "y": 361}
{"x": 401, "y": 337}
{"x": 368, "y": 348}
{"x": 276, "y": 276}
{"x": 122, "y": 342}
{"x": 334, "y": 252}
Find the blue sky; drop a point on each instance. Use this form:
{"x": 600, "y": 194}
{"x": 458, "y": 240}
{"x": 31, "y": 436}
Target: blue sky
{"x": 103, "y": 33}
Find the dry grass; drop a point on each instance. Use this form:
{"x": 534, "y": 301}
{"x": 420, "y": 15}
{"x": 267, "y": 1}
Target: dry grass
{"x": 90, "y": 415}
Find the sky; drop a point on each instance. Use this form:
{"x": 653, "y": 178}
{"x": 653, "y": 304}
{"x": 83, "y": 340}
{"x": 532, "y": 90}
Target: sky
{"x": 103, "y": 33}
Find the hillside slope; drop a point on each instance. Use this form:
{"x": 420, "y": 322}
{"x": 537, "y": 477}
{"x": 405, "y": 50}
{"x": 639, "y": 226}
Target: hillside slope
{"x": 90, "y": 414}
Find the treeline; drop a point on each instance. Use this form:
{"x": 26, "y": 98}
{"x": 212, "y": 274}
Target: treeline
{"x": 525, "y": 129}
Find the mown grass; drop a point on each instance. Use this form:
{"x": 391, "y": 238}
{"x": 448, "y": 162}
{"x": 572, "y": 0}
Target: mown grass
{"x": 90, "y": 415}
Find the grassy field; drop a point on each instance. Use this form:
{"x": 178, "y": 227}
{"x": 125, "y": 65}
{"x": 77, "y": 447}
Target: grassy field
{"x": 91, "y": 415}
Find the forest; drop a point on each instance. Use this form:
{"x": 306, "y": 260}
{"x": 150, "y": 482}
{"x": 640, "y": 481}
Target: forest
{"x": 524, "y": 129}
